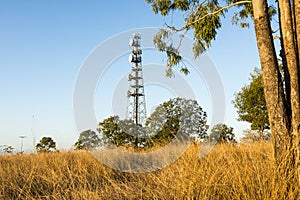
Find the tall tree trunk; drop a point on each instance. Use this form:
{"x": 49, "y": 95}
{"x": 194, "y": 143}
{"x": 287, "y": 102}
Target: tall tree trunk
{"x": 296, "y": 10}
{"x": 289, "y": 36}
{"x": 276, "y": 104}
{"x": 286, "y": 75}
{"x": 297, "y": 27}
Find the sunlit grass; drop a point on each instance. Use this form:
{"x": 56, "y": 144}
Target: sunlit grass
{"x": 227, "y": 172}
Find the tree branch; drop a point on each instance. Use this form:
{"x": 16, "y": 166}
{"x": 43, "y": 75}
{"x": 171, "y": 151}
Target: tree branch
{"x": 186, "y": 26}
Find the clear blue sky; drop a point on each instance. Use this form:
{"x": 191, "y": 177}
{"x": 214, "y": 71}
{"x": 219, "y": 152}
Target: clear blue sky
{"x": 44, "y": 43}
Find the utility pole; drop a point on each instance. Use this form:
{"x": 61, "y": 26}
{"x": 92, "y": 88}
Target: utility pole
{"x": 33, "y": 133}
{"x": 22, "y": 138}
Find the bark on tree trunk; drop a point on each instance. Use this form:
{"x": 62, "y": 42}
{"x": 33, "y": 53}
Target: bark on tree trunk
{"x": 286, "y": 75}
{"x": 289, "y": 37}
{"x": 296, "y": 9}
{"x": 276, "y": 104}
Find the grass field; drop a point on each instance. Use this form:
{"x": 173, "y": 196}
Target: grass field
{"x": 227, "y": 172}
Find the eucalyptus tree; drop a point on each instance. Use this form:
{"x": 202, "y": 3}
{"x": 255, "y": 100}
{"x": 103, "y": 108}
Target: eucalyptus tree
{"x": 203, "y": 18}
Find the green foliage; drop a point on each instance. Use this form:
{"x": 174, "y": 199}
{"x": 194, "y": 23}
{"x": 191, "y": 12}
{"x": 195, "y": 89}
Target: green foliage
{"x": 166, "y": 116}
{"x": 245, "y": 12}
{"x": 112, "y": 133}
{"x": 8, "y": 149}
{"x": 174, "y": 116}
{"x": 87, "y": 140}
{"x": 45, "y": 145}
{"x": 169, "y": 118}
{"x": 240, "y": 17}
{"x": 251, "y": 104}
{"x": 165, "y": 6}
{"x": 204, "y": 30}
{"x": 162, "y": 44}
{"x": 221, "y": 133}
{"x": 203, "y": 18}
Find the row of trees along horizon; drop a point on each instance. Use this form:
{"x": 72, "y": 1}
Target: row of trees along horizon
{"x": 281, "y": 79}
{"x": 164, "y": 124}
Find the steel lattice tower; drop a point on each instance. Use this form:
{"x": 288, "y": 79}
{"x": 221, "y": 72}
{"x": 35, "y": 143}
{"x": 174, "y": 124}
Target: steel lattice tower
{"x": 136, "y": 103}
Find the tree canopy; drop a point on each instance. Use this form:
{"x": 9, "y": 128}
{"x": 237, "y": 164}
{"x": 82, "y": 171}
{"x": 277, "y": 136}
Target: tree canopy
{"x": 251, "y": 104}
{"x": 45, "y": 145}
{"x": 221, "y": 133}
{"x": 112, "y": 133}
{"x": 88, "y": 140}
{"x": 177, "y": 115}
{"x": 174, "y": 118}
{"x": 202, "y": 18}
{"x": 8, "y": 149}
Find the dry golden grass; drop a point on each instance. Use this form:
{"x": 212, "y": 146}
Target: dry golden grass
{"x": 227, "y": 172}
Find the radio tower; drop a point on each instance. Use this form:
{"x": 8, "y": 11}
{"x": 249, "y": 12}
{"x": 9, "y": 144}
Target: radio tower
{"x": 136, "y": 104}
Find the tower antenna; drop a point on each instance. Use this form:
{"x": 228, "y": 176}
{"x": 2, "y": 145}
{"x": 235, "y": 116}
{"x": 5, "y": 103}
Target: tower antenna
{"x": 136, "y": 103}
